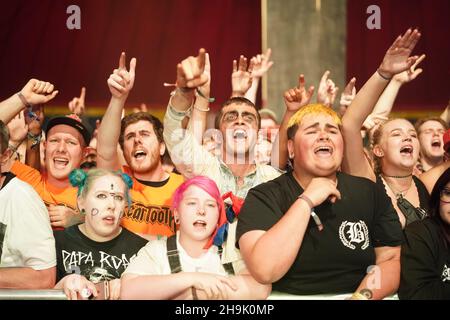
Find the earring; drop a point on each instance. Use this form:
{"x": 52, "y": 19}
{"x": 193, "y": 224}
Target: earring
{"x": 82, "y": 211}
{"x": 177, "y": 219}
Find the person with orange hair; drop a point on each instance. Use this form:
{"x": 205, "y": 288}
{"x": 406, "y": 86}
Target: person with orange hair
{"x": 188, "y": 265}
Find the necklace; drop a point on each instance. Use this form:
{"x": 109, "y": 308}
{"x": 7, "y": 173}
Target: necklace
{"x": 398, "y": 193}
{"x": 398, "y": 177}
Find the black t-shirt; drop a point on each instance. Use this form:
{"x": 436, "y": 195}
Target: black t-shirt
{"x": 97, "y": 261}
{"x": 425, "y": 263}
{"x": 335, "y": 259}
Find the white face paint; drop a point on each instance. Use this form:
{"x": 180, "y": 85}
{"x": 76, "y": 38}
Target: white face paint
{"x": 104, "y": 205}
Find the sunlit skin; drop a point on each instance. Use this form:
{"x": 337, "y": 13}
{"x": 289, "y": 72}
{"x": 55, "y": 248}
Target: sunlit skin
{"x": 63, "y": 153}
{"x": 104, "y": 205}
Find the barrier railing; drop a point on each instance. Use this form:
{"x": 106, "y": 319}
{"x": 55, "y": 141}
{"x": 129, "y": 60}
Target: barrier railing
{"x": 15, "y": 294}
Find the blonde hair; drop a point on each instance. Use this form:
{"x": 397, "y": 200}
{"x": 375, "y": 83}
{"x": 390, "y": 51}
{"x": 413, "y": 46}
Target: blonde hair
{"x": 310, "y": 109}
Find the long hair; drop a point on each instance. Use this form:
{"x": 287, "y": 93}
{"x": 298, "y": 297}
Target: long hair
{"x": 210, "y": 187}
{"x": 435, "y": 206}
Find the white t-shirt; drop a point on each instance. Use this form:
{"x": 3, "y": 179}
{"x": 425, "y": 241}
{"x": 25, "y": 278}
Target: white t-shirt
{"x": 152, "y": 260}
{"x": 26, "y": 237}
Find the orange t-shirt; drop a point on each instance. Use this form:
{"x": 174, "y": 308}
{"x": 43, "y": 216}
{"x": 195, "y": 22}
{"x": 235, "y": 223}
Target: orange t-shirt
{"x": 150, "y": 213}
{"x": 49, "y": 193}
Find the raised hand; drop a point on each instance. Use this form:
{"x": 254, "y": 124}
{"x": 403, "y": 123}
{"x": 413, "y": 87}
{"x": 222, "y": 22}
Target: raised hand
{"x": 77, "y": 105}
{"x": 38, "y": 92}
{"x": 327, "y": 90}
{"x": 190, "y": 72}
{"x": 262, "y": 64}
{"x": 411, "y": 73}
{"x": 35, "y": 120}
{"x": 241, "y": 78}
{"x": 298, "y": 97}
{"x": 397, "y": 58}
{"x": 142, "y": 108}
{"x": 121, "y": 81}
{"x": 349, "y": 93}
{"x": 205, "y": 88}
{"x": 17, "y": 128}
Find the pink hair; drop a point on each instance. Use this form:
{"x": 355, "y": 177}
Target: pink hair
{"x": 210, "y": 187}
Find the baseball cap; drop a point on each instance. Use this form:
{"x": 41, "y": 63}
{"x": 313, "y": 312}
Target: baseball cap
{"x": 73, "y": 121}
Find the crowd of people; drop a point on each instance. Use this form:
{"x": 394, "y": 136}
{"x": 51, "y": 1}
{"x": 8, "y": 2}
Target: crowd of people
{"x": 349, "y": 203}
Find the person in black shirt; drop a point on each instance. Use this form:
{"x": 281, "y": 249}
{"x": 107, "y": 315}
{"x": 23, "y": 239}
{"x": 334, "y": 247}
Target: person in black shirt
{"x": 425, "y": 258}
{"x": 353, "y": 225}
{"x": 99, "y": 250}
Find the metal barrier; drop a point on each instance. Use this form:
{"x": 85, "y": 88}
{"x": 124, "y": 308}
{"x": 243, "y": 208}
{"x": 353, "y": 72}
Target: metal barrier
{"x": 15, "y": 294}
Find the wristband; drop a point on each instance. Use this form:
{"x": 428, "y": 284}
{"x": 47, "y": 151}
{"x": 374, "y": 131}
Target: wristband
{"x": 313, "y": 214}
{"x": 384, "y": 77}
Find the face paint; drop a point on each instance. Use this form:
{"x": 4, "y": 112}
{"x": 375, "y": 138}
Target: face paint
{"x": 94, "y": 211}
{"x": 112, "y": 187}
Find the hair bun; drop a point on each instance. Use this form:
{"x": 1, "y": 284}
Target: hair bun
{"x": 77, "y": 178}
{"x": 127, "y": 179}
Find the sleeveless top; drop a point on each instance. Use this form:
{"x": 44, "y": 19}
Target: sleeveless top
{"x": 410, "y": 212}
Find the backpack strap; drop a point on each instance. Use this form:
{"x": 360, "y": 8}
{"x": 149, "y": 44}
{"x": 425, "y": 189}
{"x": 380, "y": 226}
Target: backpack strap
{"x": 227, "y": 266}
{"x": 172, "y": 254}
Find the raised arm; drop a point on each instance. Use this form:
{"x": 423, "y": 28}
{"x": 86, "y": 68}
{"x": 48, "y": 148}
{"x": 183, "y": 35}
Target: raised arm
{"x": 347, "y": 96}
{"x": 77, "y": 104}
{"x": 446, "y": 114}
{"x": 386, "y": 101}
{"x": 261, "y": 66}
{"x": 241, "y": 77}
{"x": 33, "y": 93}
{"x": 294, "y": 99}
{"x": 397, "y": 59}
{"x": 197, "y": 123}
{"x": 327, "y": 91}
{"x": 120, "y": 83}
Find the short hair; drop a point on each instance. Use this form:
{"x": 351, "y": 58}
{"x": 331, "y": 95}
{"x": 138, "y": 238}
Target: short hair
{"x": 314, "y": 109}
{"x": 4, "y": 137}
{"x": 421, "y": 121}
{"x": 84, "y": 180}
{"x": 136, "y": 117}
{"x": 236, "y": 100}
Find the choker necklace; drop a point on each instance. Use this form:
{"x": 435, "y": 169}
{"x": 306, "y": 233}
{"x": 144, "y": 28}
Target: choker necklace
{"x": 398, "y": 177}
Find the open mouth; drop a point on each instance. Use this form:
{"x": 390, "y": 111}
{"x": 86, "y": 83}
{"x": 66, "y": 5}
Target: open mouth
{"x": 200, "y": 224}
{"x": 109, "y": 219}
{"x": 60, "y": 163}
{"x": 323, "y": 150}
{"x": 436, "y": 143}
{"x": 139, "y": 154}
{"x": 239, "y": 134}
{"x": 406, "y": 150}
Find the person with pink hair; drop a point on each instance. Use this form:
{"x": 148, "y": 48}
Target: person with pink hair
{"x": 188, "y": 265}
